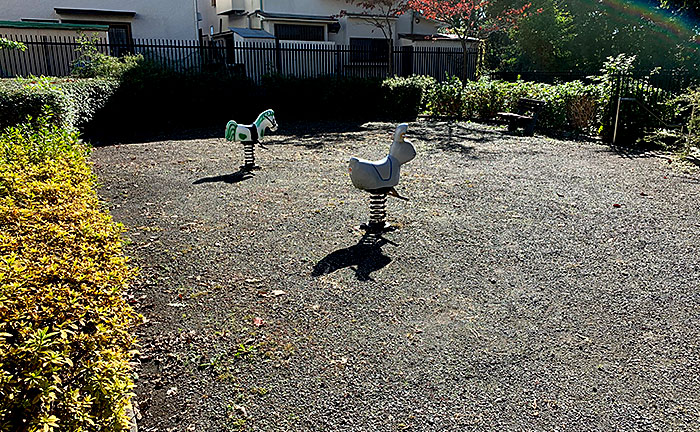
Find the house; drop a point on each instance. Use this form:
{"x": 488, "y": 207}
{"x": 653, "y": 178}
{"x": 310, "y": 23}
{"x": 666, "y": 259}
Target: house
{"x": 327, "y": 37}
{"x": 313, "y": 21}
{"x": 125, "y": 19}
{"x": 255, "y": 37}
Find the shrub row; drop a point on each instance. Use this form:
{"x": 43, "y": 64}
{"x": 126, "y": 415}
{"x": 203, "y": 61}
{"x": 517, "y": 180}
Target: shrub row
{"x": 568, "y": 106}
{"x": 64, "y": 326}
{"x": 72, "y": 102}
{"x": 150, "y": 100}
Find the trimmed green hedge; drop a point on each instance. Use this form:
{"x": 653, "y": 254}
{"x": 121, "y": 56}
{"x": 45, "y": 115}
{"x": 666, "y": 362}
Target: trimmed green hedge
{"x": 148, "y": 101}
{"x": 72, "y": 102}
{"x": 65, "y": 329}
{"x": 405, "y": 96}
{"x": 568, "y": 106}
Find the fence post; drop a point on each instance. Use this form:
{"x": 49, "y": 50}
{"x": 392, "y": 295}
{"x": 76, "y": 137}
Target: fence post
{"x": 337, "y": 61}
{"x": 407, "y": 61}
{"x": 278, "y": 56}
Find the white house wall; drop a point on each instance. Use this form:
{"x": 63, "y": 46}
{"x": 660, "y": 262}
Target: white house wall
{"x": 170, "y": 19}
{"x": 307, "y": 7}
{"x": 350, "y": 27}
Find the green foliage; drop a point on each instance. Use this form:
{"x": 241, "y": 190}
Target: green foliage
{"x": 405, "y": 97}
{"x": 650, "y": 105}
{"x": 692, "y": 107}
{"x": 571, "y": 106}
{"x": 579, "y": 35}
{"x": 446, "y": 98}
{"x": 326, "y": 98}
{"x": 94, "y": 64}
{"x": 9, "y": 44}
{"x": 72, "y": 102}
{"x": 687, "y": 115}
{"x": 65, "y": 335}
{"x": 541, "y": 41}
{"x": 151, "y": 100}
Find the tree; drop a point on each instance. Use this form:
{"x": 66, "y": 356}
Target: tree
{"x": 658, "y": 36}
{"x": 580, "y": 34}
{"x": 541, "y": 41}
{"x": 470, "y": 19}
{"x": 380, "y": 14}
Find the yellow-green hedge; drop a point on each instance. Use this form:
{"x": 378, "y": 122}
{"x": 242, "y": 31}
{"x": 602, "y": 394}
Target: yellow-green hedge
{"x": 65, "y": 329}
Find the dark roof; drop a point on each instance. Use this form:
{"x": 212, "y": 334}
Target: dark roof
{"x": 251, "y": 33}
{"x": 49, "y": 25}
{"x": 232, "y": 12}
{"x": 284, "y": 16}
{"x": 82, "y": 11}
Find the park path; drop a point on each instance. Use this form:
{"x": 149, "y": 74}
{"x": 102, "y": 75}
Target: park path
{"x": 533, "y": 284}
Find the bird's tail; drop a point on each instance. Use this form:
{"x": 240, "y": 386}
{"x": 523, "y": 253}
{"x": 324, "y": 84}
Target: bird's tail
{"x": 231, "y": 130}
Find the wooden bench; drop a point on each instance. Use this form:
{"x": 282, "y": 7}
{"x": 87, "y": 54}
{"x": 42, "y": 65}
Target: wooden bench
{"x": 526, "y": 116}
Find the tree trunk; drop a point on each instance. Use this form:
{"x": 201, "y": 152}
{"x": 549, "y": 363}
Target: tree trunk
{"x": 391, "y": 57}
{"x": 390, "y": 41}
{"x": 463, "y": 41}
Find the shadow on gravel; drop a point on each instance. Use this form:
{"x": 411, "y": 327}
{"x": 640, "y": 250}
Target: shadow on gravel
{"x": 236, "y": 177}
{"x": 174, "y": 134}
{"x": 314, "y": 136}
{"x": 630, "y": 152}
{"x": 364, "y": 258}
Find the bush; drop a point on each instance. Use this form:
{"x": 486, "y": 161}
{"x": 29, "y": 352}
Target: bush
{"x": 64, "y": 326}
{"x": 94, "y": 64}
{"x": 72, "y": 102}
{"x": 446, "y": 98}
{"x": 687, "y": 116}
{"x": 406, "y": 97}
{"x": 569, "y": 106}
{"x": 484, "y": 98}
{"x": 151, "y": 100}
{"x": 326, "y": 98}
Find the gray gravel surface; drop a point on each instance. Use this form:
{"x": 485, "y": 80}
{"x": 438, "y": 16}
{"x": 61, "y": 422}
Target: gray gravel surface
{"x": 532, "y": 284}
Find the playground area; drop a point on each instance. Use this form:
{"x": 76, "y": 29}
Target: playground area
{"x": 530, "y": 284}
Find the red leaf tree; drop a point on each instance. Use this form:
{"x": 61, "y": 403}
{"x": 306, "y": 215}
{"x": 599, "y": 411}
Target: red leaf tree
{"x": 381, "y": 14}
{"x": 470, "y": 19}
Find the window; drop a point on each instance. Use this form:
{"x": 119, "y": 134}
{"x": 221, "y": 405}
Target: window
{"x": 119, "y": 35}
{"x": 299, "y": 32}
{"x": 369, "y": 50}
{"x": 213, "y": 3}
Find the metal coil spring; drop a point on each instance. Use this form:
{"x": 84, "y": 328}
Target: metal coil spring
{"x": 377, "y": 209}
{"x": 249, "y": 153}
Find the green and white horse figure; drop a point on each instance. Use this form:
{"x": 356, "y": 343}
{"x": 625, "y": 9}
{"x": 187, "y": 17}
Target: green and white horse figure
{"x": 250, "y": 135}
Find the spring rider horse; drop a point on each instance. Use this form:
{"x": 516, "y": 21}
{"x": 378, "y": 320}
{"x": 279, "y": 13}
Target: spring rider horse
{"x": 249, "y": 135}
{"x": 379, "y": 178}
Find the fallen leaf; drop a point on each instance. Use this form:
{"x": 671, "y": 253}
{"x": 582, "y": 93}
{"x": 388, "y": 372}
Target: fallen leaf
{"x": 617, "y": 205}
{"x": 258, "y": 322}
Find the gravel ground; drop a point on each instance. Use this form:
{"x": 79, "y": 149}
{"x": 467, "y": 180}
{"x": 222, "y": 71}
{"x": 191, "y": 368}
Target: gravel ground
{"x": 532, "y": 284}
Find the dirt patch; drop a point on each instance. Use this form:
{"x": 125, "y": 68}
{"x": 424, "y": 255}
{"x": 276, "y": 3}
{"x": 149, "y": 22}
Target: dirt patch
{"x": 533, "y": 284}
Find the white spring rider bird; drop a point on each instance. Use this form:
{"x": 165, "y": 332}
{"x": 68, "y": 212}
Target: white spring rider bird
{"x": 379, "y": 177}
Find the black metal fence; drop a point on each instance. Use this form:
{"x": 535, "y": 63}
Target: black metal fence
{"x": 640, "y": 103}
{"x": 543, "y": 77}
{"x": 666, "y": 82}
{"x": 311, "y": 59}
{"x": 57, "y": 56}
